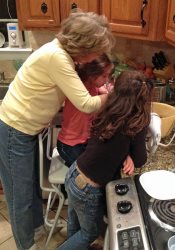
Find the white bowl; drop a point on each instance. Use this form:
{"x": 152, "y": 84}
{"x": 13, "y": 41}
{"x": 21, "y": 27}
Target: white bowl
{"x": 159, "y": 184}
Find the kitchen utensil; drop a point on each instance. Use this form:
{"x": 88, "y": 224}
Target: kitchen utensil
{"x": 161, "y": 54}
{"x": 171, "y": 243}
{"x": 159, "y": 60}
{"x": 155, "y": 62}
{"x": 159, "y": 184}
{"x": 159, "y": 92}
{"x": 2, "y": 39}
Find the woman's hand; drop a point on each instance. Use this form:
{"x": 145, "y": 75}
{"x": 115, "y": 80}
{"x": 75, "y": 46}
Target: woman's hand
{"x": 128, "y": 166}
{"x": 106, "y": 88}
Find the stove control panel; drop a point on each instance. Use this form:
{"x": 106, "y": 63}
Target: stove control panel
{"x": 125, "y": 220}
{"x": 130, "y": 239}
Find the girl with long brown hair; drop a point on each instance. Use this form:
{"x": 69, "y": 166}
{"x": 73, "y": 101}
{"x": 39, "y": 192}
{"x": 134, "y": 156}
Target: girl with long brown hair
{"x": 119, "y": 130}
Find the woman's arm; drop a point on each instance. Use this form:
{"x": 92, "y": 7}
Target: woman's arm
{"x": 103, "y": 99}
{"x": 62, "y": 73}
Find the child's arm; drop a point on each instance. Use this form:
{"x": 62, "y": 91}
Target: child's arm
{"x": 128, "y": 166}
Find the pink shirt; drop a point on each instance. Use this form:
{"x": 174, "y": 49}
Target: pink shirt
{"x": 75, "y": 127}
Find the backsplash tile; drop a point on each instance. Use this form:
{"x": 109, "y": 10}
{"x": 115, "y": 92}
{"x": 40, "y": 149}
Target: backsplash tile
{"x": 8, "y": 68}
{"x": 141, "y": 51}
{"x": 38, "y": 38}
{"x": 138, "y": 49}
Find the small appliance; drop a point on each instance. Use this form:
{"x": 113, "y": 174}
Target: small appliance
{"x": 14, "y": 35}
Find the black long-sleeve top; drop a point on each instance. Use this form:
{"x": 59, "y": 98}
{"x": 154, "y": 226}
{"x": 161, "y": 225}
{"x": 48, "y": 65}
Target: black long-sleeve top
{"x": 102, "y": 160}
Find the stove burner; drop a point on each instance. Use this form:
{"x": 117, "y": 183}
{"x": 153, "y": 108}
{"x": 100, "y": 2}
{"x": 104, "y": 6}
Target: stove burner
{"x": 121, "y": 189}
{"x": 124, "y": 206}
{"x": 163, "y": 213}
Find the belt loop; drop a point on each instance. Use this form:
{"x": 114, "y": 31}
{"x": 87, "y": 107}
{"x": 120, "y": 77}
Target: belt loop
{"x": 72, "y": 170}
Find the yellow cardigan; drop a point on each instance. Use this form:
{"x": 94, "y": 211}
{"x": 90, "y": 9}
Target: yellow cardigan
{"x": 40, "y": 87}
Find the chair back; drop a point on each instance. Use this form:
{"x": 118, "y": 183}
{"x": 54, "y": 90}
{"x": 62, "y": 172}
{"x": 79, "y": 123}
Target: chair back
{"x": 55, "y": 176}
{"x": 44, "y": 139}
{"x": 55, "y": 171}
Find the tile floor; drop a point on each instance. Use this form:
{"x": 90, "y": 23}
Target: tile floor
{"x": 6, "y": 237}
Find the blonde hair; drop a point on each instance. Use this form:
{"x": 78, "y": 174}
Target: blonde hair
{"x": 86, "y": 32}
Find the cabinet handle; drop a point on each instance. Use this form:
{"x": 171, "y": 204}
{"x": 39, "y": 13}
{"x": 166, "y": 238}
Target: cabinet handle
{"x": 143, "y": 22}
{"x": 74, "y": 7}
{"x": 174, "y": 18}
{"x": 44, "y": 8}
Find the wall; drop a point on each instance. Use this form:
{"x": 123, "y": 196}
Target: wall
{"x": 8, "y": 68}
{"x": 38, "y": 38}
{"x": 141, "y": 51}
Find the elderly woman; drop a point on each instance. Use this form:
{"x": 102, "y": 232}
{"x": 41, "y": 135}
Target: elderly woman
{"x": 34, "y": 97}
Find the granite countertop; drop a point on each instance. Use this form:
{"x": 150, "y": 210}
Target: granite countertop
{"x": 163, "y": 158}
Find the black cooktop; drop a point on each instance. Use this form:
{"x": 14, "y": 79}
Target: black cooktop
{"x": 157, "y": 235}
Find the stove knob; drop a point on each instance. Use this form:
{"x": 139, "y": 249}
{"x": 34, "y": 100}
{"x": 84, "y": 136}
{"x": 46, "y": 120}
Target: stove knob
{"x": 121, "y": 189}
{"x": 124, "y": 206}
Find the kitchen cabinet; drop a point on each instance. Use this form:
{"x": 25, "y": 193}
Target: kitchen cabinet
{"x": 69, "y": 5}
{"x": 170, "y": 24}
{"x": 48, "y": 14}
{"x": 38, "y": 14}
{"x": 140, "y": 19}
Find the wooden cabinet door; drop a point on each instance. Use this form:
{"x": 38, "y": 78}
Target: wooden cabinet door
{"x": 170, "y": 25}
{"x": 67, "y": 6}
{"x": 141, "y": 19}
{"x": 125, "y": 15}
{"x": 38, "y": 13}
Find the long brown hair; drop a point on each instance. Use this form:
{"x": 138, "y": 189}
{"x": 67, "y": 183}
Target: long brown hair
{"x": 127, "y": 108}
{"x": 93, "y": 69}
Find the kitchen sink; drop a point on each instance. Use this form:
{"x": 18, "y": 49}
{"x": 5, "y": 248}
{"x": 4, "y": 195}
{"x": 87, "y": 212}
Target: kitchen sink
{"x": 3, "y": 90}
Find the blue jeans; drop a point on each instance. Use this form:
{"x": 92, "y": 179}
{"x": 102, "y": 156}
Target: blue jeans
{"x": 70, "y": 153}
{"x": 19, "y": 176}
{"x": 85, "y": 213}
